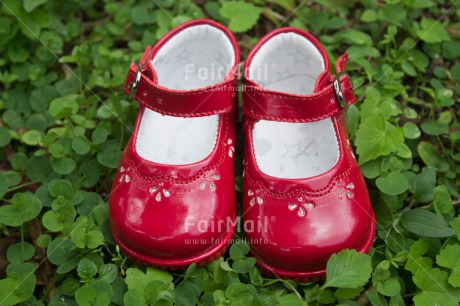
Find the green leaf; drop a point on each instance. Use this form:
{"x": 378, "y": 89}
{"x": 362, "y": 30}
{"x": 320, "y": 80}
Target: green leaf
{"x": 376, "y": 137}
{"x": 16, "y": 288}
{"x": 424, "y": 223}
{"x": 239, "y": 249}
{"x": 140, "y": 15}
{"x": 423, "y": 185}
{"x": 52, "y": 40}
{"x": 290, "y": 300}
{"x": 434, "y": 128}
{"x": 435, "y": 290}
{"x": 4, "y": 136}
{"x": 17, "y": 250}
{"x": 184, "y": 295}
{"x": 134, "y": 297}
{"x": 61, "y": 188}
{"x": 356, "y": 37}
{"x": 80, "y": 146}
{"x": 348, "y": 293}
{"x": 369, "y": 16}
{"x": 3, "y": 185}
{"x": 58, "y": 220}
{"x": 348, "y": 269}
{"x": 375, "y": 298}
{"x": 30, "y": 5}
{"x": 99, "y": 135}
{"x": 82, "y": 236}
{"x": 63, "y": 107}
{"x": 108, "y": 272}
{"x": 394, "y": 183}
{"x": 383, "y": 214}
{"x": 411, "y": 131}
{"x": 19, "y": 161}
{"x": 389, "y": 287}
{"x": 393, "y": 13}
{"x": 243, "y": 16}
{"x": 70, "y": 286}
{"x": 255, "y": 276}
{"x": 451, "y": 49}
{"x": 431, "y": 156}
{"x": 397, "y": 300}
{"x": 119, "y": 289}
{"x": 63, "y": 165}
{"x": 43, "y": 240}
{"x": 371, "y": 169}
{"x": 157, "y": 274}
{"x": 415, "y": 260}
{"x": 87, "y": 296}
{"x": 136, "y": 279}
{"x": 32, "y": 137}
{"x": 239, "y": 294}
{"x": 109, "y": 159}
{"x": 455, "y": 72}
{"x": 63, "y": 250}
{"x": 442, "y": 201}
{"x": 225, "y": 266}
{"x": 24, "y": 207}
{"x": 456, "y": 226}
{"x": 449, "y": 258}
{"x": 432, "y": 31}
{"x": 86, "y": 268}
{"x": 244, "y": 265}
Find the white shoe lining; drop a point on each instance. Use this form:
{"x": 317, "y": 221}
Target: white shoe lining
{"x": 196, "y": 57}
{"x": 290, "y": 63}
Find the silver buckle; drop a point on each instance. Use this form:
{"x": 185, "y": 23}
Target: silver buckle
{"x": 132, "y": 87}
{"x": 338, "y": 89}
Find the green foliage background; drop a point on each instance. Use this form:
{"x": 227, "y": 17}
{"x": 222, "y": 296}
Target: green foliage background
{"x": 65, "y": 120}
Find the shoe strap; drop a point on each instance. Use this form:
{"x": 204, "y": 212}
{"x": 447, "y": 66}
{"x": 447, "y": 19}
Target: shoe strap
{"x": 211, "y": 100}
{"x": 335, "y": 96}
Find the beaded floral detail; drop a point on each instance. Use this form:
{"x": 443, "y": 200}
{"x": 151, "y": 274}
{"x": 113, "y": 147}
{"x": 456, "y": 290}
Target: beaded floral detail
{"x": 301, "y": 207}
{"x": 124, "y": 175}
{"x": 231, "y": 148}
{"x": 159, "y": 192}
{"x": 254, "y": 197}
{"x": 346, "y": 190}
{"x": 209, "y": 180}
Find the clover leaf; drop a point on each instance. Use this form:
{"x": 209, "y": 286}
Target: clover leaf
{"x": 24, "y": 207}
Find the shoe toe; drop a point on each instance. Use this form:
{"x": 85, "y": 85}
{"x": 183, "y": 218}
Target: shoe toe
{"x": 160, "y": 221}
{"x": 300, "y": 234}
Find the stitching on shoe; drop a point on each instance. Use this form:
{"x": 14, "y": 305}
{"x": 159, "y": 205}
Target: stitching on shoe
{"x": 212, "y": 89}
{"x": 186, "y": 115}
{"x": 161, "y": 176}
{"x": 275, "y": 118}
{"x": 291, "y": 97}
{"x": 312, "y": 193}
{"x": 255, "y": 115}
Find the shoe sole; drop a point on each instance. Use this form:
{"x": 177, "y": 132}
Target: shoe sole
{"x": 307, "y": 276}
{"x": 177, "y": 263}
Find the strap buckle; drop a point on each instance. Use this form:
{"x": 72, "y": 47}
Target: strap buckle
{"x": 339, "y": 91}
{"x": 132, "y": 87}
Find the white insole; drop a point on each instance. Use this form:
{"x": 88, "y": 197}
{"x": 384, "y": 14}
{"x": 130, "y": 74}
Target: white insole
{"x": 196, "y": 57}
{"x": 290, "y": 63}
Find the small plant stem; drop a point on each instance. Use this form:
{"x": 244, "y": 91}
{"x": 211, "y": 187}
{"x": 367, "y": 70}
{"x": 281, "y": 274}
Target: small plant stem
{"x": 23, "y": 185}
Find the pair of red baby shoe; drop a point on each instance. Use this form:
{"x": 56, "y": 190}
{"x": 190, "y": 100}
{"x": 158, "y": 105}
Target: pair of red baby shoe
{"x": 173, "y": 200}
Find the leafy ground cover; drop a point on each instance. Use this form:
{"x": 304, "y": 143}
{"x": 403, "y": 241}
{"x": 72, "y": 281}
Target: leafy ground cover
{"x": 65, "y": 120}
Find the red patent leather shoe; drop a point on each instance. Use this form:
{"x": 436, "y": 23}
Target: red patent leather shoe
{"x": 172, "y": 201}
{"x": 303, "y": 189}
